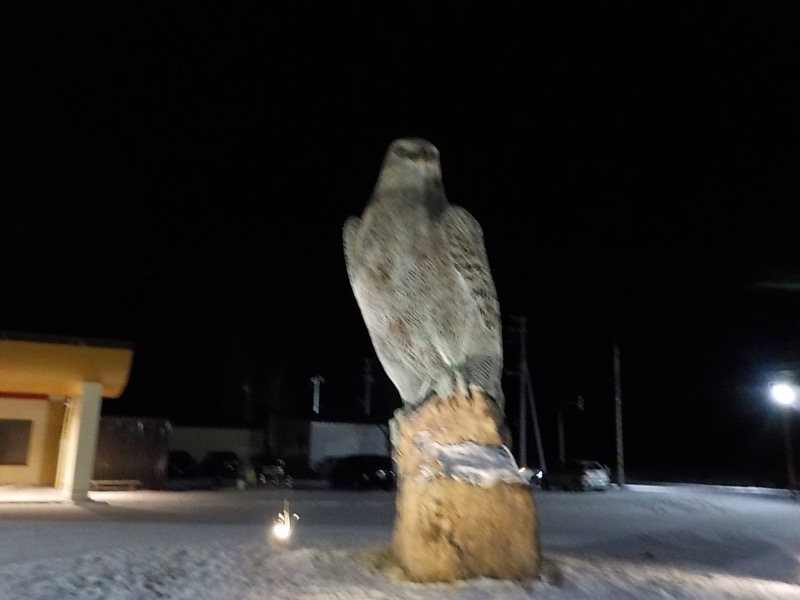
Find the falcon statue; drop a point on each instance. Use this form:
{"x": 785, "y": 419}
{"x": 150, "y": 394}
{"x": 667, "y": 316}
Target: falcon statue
{"x": 421, "y": 277}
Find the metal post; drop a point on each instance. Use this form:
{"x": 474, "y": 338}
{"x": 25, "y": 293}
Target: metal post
{"x": 539, "y": 449}
{"x": 618, "y": 418}
{"x": 523, "y": 367}
{"x": 561, "y": 454}
{"x": 316, "y": 380}
{"x": 791, "y": 477}
{"x": 368, "y": 380}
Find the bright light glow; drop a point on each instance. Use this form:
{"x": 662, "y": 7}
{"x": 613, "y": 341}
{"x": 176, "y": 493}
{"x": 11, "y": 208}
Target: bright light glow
{"x": 529, "y": 473}
{"x": 284, "y": 524}
{"x": 783, "y": 393}
{"x": 282, "y": 531}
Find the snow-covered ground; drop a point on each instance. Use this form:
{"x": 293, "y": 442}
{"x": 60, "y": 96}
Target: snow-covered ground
{"x": 642, "y": 542}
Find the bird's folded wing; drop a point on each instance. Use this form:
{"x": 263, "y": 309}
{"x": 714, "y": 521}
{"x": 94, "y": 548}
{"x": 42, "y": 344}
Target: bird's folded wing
{"x": 352, "y": 243}
{"x": 464, "y": 238}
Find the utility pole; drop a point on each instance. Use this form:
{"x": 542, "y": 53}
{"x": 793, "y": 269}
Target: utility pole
{"x": 539, "y": 449}
{"x": 526, "y": 393}
{"x": 523, "y": 372}
{"x": 561, "y": 452}
{"x": 618, "y": 418}
{"x": 787, "y": 437}
{"x": 368, "y": 381}
{"x": 316, "y": 381}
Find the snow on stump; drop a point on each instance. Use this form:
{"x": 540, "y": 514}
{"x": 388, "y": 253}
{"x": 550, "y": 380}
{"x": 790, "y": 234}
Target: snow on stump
{"x": 463, "y": 510}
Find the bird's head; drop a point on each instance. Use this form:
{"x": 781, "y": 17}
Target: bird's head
{"x": 411, "y": 171}
{"x": 416, "y": 150}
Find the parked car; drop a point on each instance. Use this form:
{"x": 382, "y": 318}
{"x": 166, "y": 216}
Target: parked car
{"x": 532, "y": 476}
{"x": 363, "y": 471}
{"x": 577, "y": 475}
{"x": 181, "y": 465}
{"x": 271, "y": 470}
{"x": 223, "y": 466}
{"x": 323, "y": 467}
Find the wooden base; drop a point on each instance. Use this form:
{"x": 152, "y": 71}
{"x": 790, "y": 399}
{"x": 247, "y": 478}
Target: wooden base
{"x": 448, "y": 528}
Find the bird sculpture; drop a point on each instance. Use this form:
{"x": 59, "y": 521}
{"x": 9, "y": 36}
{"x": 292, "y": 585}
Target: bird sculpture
{"x": 420, "y": 275}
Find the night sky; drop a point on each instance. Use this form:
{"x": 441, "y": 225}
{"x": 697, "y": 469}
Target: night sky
{"x": 177, "y": 176}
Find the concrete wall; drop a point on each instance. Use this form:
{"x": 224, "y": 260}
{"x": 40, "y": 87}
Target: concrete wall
{"x": 295, "y": 440}
{"x": 289, "y": 437}
{"x": 199, "y": 441}
{"x": 133, "y": 448}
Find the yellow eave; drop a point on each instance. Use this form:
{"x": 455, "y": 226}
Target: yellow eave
{"x": 61, "y": 368}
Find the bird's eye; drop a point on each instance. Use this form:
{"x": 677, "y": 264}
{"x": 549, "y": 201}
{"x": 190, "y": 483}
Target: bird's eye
{"x": 405, "y": 153}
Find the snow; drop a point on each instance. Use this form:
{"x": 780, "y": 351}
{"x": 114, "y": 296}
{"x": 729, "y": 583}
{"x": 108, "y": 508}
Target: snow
{"x": 472, "y": 463}
{"x": 651, "y": 543}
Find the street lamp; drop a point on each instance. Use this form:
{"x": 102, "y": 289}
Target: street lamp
{"x": 785, "y": 395}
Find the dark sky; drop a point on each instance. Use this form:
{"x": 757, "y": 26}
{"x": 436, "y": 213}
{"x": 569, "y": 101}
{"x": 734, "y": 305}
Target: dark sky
{"x": 177, "y": 176}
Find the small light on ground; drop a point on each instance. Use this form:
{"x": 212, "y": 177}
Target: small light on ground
{"x": 283, "y": 525}
{"x": 281, "y": 531}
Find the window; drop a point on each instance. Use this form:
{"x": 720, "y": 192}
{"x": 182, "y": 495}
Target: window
{"x": 15, "y": 434}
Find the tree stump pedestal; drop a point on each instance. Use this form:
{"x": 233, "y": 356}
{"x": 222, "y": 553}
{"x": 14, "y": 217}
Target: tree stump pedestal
{"x": 463, "y": 509}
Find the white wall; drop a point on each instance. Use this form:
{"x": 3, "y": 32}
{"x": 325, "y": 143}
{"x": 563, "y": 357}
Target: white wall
{"x": 343, "y": 439}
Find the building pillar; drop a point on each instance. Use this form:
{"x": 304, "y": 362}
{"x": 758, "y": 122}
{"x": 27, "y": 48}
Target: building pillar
{"x": 79, "y": 442}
